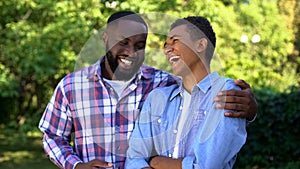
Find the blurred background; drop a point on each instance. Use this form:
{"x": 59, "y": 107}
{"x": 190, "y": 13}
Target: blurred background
{"x": 257, "y": 40}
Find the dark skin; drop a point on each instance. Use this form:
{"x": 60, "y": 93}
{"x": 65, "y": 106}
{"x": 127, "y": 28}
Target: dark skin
{"x": 94, "y": 164}
{"x": 243, "y": 101}
{"x": 130, "y": 48}
{"x": 160, "y": 162}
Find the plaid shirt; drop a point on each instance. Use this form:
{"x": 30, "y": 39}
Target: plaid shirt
{"x": 102, "y": 122}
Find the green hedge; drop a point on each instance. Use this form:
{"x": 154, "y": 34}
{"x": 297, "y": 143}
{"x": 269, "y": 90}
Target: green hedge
{"x": 274, "y": 137}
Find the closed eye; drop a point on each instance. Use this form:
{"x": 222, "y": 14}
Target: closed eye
{"x": 123, "y": 42}
{"x": 140, "y": 46}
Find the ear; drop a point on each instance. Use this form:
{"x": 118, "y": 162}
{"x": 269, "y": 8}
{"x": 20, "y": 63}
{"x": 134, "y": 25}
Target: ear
{"x": 104, "y": 37}
{"x": 201, "y": 45}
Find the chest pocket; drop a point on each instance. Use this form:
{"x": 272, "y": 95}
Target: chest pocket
{"x": 199, "y": 116}
{"x": 194, "y": 122}
{"x": 159, "y": 124}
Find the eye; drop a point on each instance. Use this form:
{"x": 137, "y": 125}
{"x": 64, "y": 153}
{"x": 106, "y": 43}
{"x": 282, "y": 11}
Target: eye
{"x": 123, "y": 42}
{"x": 140, "y": 46}
{"x": 175, "y": 41}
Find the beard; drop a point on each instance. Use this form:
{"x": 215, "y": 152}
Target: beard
{"x": 120, "y": 73}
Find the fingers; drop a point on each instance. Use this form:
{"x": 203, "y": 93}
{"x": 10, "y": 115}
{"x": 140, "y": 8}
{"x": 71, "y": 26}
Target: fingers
{"x": 242, "y": 84}
{"x": 240, "y": 110}
{"x": 235, "y": 114}
{"x": 94, "y": 164}
{"x": 232, "y": 99}
{"x": 232, "y": 106}
{"x": 242, "y": 102}
{"x": 241, "y": 93}
{"x": 98, "y": 163}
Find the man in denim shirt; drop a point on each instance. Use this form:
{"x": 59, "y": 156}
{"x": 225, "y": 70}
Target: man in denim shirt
{"x": 183, "y": 129}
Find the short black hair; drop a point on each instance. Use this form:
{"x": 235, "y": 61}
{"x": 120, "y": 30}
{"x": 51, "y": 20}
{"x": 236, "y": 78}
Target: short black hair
{"x": 127, "y": 15}
{"x": 199, "y": 27}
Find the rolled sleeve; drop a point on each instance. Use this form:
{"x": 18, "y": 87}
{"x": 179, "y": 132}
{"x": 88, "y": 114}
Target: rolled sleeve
{"x": 56, "y": 125}
{"x": 72, "y": 161}
{"x": 141, "y": 141}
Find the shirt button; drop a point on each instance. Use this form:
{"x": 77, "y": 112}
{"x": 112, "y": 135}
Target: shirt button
{"x": 170, "y": 155}
{"x": 159, "y": 121}
{"x": 180, "y": 108}
{"x": 174, "y": 131}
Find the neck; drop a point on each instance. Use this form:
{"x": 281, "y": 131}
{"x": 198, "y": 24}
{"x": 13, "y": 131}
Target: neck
{"x": 195, "y": 76}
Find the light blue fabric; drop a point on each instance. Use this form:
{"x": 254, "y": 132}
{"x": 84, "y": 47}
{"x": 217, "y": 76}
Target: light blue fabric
{"x": 209, "y": 139}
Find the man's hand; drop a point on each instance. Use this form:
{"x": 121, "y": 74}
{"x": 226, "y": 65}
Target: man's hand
{"x": 160, "y": 162}
{"x": 94, "y": 164}
{"x": 242, "y": 102}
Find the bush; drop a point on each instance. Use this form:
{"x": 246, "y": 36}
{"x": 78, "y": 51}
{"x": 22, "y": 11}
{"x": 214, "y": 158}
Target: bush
{"x": 273, "y": 138}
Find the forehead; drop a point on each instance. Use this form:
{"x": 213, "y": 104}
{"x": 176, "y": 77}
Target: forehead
{"x": 127, "y": 28}
{"x": 179, "y": 31}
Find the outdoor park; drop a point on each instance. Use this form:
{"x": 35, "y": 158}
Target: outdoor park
{"x": 257, "y": 40}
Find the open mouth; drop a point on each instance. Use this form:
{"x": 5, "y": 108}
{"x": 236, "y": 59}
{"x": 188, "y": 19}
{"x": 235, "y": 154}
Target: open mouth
{"x": 126, "y": 61}
{"x": 174, "y": 59}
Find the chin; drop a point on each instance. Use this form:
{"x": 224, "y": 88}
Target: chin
{"x": 124, "y": 75}
{"x": 176, "y": 72}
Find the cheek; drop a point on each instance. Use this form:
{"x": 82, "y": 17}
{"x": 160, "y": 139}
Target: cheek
{"x": 140, "y": 54}
{"x": 116, "y": 50}
{"x": 180, "y": 47}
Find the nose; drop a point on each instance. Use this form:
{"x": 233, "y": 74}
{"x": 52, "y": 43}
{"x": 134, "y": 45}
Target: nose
{"x": 168, "y": 48}
{"x": 130, "y": 50}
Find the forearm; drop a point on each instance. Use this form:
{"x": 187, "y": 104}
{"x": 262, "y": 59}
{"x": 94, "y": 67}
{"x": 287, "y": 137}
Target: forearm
{"x": 139, "y": 150}
{"x": 60, "y": 151}
{"x": 141, "y": 142}
{"x": 160, "y": 162}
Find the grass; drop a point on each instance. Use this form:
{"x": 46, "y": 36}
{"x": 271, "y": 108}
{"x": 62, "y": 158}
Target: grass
{"x": 22, "y": 151}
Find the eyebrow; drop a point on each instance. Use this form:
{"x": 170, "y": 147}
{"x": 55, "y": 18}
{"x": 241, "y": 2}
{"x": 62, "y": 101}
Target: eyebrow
{"x": 171, "y": 38}
{"x": 122, "y": 37}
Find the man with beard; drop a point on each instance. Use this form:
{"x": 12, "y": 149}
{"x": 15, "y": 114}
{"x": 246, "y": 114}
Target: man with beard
{"x": 96, "y": 107}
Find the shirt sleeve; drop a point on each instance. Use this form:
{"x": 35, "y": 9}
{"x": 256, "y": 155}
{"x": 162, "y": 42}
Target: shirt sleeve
{"x": 165, "y": 79}
{"x": 56, "y": 126}
{"x": 140, "y": 143}
{"x": 220, "y": 149}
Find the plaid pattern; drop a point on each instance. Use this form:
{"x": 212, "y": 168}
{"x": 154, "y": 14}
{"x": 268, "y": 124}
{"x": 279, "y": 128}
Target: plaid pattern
{"x": 102, "y": 122}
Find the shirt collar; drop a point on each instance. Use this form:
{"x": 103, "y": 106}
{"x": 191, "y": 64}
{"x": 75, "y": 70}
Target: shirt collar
{"x": 94, "y": 71}
{"x": 204, "y": 85}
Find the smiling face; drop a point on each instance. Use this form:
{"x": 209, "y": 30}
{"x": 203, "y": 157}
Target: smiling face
{"x": 180, "y": 51}
{"x": 125, "y": 45}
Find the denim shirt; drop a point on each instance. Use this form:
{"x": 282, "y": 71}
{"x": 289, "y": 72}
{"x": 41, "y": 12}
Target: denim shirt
{"x": 208, "y": 140}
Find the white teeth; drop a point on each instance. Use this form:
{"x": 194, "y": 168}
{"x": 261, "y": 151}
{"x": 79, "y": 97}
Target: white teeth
{"x": 173, "y": 59}
{"x": 127, "y": 62}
